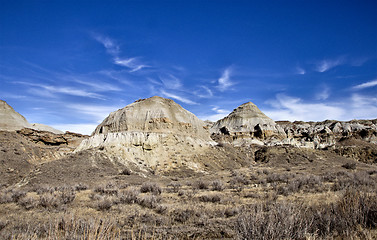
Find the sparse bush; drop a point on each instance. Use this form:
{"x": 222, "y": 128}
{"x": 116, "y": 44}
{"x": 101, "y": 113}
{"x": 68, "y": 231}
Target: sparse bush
{"x": 49, "y": 200}
{"x": 109, "y": 189}
{"x": 294, "y": 221}
{"x": 213, "y": 198}
{"x": 151, "y": 187}
{"x": 161, "y": 209}
{"x": 28, "y": 202}
{"x": 67, "y": 196}
{"x": 11, "y": 195}
{"x": 148, "y": 201}
{"x": 200, "y": 184}
{"x": 81, "y": 187}
{"x": 182, "y": 215}
{"x": 3, "y": 224}
{"x": 104, "y": 204}
{"x": 217, "y": 185}
{"x": 230, "y": 212}
{"x": 128, "y": 196}
{"x": 174, "y": 187}
{"x": 40, "y": 189}
{"x": 126, "y": 171}
{"x": 5, "y": 197}
{"x": 349, "y": 165}
{"x": 271, "y": 178}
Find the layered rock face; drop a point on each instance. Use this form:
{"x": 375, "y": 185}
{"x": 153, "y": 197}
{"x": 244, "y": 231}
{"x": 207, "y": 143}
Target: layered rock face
{"x": 248, "y": 125}
{"x": 328, "y": 133}
{"x": 10, "y": 120}
{"x": 247, "y": 122}
{"x": 151, "y": 133}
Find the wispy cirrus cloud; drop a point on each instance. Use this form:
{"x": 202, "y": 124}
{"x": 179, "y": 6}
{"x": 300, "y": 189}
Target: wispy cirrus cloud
{"x": 204, "y": 92}
{"x": 50, "y": 91}
{"x": 216, "y": 114}
{"x": 369, "y": 84}
{"x": 177, "y": 97}
{"x": 300, "y": 70}
{"x": 133, "y": 63}
{"x": 170, "y": 81}
{"x": 112, "y": 48}
{"x": 292, "y": 108}
{"x": 224, "y": 82}
{"x": 327, "y": 64}
{"x": 95, "y": 112}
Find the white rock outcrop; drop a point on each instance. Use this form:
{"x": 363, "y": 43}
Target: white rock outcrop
{"x": 151, "y": 133}
{"x": 247, "y": 121}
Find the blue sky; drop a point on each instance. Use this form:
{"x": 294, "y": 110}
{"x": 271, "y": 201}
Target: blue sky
{"x": 69, "y": 64}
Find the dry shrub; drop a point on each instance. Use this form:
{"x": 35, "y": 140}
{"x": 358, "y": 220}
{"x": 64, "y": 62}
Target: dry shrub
{"x": 49, "y": 200}
{"x": 40, "y": 189}
{"x": 275, "y": 177}
{"x": 67, "y": 196}
{"x": 275, "y": 221}
{"x": 231, "y": 212}
{"x": 213, "y": 198}
{"x": 105, "y": 203}
{"x": 349, "y": 165}
{"x": 29, "y": 202}
{"x": 356, "y": 180}
{"x": 161, "y": 209}
{"x": 217, "y": 185}
{"x": 183, "y": 215}
{"x": 128, "y": 196}
{"x": 200, "y": 185}
{"x": 294, "y": 221}
{"x": 11, "y": 195}
{"x": 65, "y": 227}
{"x": 151, "y": 187}
{"x": 148, "y": 201}
{"x": 174, "y": 187}
{"x": 81, "y": 187}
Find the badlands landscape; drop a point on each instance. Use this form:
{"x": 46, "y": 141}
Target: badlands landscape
{"x": 153, "y": 170}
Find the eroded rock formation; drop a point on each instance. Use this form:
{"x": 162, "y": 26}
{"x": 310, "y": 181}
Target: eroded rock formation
{"x": 152, "y": 133}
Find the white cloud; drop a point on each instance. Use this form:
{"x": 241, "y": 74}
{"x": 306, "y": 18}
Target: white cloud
{"x": 327, "y": 64}
{"x": 100, "y": 86}
{"x": 132, "y": 63}
{"x": 366, "y": 85}
{"x": 179, "y": 98}
{"x": 300, "y": 70}
{"x": 48, "y": 91}
{"x": 171, "y": 82}
{"x": 72, "y": 91}
{"x": 111, "y": 47}
{"x": 204, "y": 92}
{"x": 291, "y": 108}
{"x": 363, "y": 107}
{"x": 224, "y": 81}
{"x": 219, "y": 114}
{"x": 323, "y": 94}
{"x": 77, "y": 128}
{"x": 98, "y": 112}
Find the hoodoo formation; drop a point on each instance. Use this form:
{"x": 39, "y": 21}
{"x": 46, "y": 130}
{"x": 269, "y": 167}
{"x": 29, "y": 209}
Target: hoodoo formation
{"x": 247, "y": 122}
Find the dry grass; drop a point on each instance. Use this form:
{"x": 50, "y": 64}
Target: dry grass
{"x": 248, "y": 203}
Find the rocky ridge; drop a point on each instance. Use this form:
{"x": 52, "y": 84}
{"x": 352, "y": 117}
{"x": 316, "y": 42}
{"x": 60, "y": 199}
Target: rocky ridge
{"x": 152, "y": 133}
